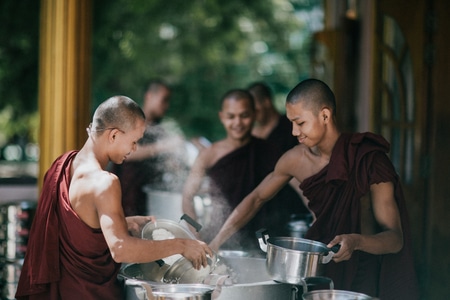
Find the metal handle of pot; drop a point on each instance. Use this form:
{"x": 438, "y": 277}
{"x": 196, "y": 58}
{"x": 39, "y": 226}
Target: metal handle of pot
{"x": 191, "y": 222}
{"x": 146, "y": 288}
{"x": 160, "y": 262}
{"x": 262, "y": 235}
{"x": 327, "y": 258}
{"x": 316, "y": 280}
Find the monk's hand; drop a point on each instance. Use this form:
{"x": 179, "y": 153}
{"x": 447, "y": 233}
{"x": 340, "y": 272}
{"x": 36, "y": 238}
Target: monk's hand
{"x": 348, "y": 243}
{"x": 196, "y": 251}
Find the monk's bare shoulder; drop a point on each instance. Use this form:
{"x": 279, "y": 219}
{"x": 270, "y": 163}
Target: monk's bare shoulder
{"x": 93, "y": 191}
{"x": 296, "y": 155}
{"x": 209, "y": 156}
{"x": 106, "y": 182}
{"x": 93, "y": 184}
{"x": 297, "y": 162}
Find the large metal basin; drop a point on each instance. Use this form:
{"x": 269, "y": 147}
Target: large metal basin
{"x": 250, "y": 281}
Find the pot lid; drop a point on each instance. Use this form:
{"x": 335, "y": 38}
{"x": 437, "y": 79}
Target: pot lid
{"x": 163, "y": 229}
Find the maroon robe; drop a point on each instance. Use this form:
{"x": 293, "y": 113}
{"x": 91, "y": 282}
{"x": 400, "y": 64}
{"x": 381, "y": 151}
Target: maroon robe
{"x": 233, "y": 177}
{"x": 65, "y": 259}
{"x": 358, "y": 161}
{"x": 281, "y": 135}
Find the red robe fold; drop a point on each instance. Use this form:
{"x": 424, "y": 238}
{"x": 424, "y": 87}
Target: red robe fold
{"x": 358, "y": 161}
{"x": 65, "y": 259}
{"x": 233, "y": 177}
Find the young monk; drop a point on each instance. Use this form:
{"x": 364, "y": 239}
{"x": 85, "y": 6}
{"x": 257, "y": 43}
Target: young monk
{"x": 352, "y": 189}
{"x": 80, "y": 235}
{"x": 234, "y": 166}
{"x": 269, "y": 123}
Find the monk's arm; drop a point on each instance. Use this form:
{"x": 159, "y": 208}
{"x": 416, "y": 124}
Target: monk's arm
{"x": 387, "y": 216}
{"x": 248, "y": 207}
{"x": 126, "y": 248}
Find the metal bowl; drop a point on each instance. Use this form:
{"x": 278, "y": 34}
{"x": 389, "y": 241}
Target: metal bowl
{"x": 181, "y": 270}
{"x": 335, "y": 295}
{"x": 177, "y": 229}
{"x": 182, "y": 292}
{"x": 143, "y": 290}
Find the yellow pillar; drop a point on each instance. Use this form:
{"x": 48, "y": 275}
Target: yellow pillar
{"x": 64, "y": 77}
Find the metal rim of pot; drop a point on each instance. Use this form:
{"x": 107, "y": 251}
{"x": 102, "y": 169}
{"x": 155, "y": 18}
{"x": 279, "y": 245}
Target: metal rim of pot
{"x": 179, "y": 296}
{"x": 335, "y": 295}
{"x": 178, "y": 230}
{"x": 246, "y": 278}
{"x": 183, "y": 288}
{"x": 289, "y": 263}
{"x": 182, "y": 271}
{"x": 173, "y": 291}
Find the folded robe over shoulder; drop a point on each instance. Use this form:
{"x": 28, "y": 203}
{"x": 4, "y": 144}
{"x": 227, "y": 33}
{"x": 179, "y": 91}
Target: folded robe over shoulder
{"x": 65, "y": 258}
{"x": 358, "y": 161}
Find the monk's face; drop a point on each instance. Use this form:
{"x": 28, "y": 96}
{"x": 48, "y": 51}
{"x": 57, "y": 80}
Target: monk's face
{"x": 237, "y": 117}
{"x": 262, "y": 109}
{"x": 157, "y": 103}
{"x": 308, "y": 125}
{"x": 125, "y": 142}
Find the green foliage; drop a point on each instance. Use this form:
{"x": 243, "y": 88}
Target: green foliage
{"x": 19, "y": 43}
{"x": 202, "y": 48}
{"x": 25, "y": 126}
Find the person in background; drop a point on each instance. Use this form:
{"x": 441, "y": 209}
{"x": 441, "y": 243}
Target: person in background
{"x": 354, "y": 192}
{"x": 233, "y": 167}
{"x": 156, "y": 155}
{"x": 269, "y": 123}
{"x": 80, "y": 235}
{"x": 274, "y": 127}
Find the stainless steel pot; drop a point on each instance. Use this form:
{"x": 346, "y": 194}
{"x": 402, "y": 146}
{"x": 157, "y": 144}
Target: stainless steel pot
{"x": 153, "y": 291}
{"x": 179, "y": 270}
{"x": 250, "y": 281}
{"x": 182, "y": 271}
{"x": 291, "y": 259}
{"x": 180, "y": 291}
{"x": 176, "y": 228}
{"x": 335, "y": 295}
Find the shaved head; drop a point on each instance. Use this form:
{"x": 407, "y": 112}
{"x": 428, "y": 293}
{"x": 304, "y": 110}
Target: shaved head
{"x": 260, "y": 91}
{"x": 117, "y": 112}
{"x": 156, "y": 84}
{"x": 314, "y": 95}
{"x": 239, "y": 94}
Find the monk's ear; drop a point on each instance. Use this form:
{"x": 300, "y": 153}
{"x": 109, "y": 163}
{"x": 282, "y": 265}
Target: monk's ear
{"x": 112, "y": 135}
{"x": 325, "y": 115}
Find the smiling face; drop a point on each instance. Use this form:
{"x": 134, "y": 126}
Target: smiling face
{"x": 308, "y": 125}
{"x": 237, "y": 117}
{"x": 125, "y": 142}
